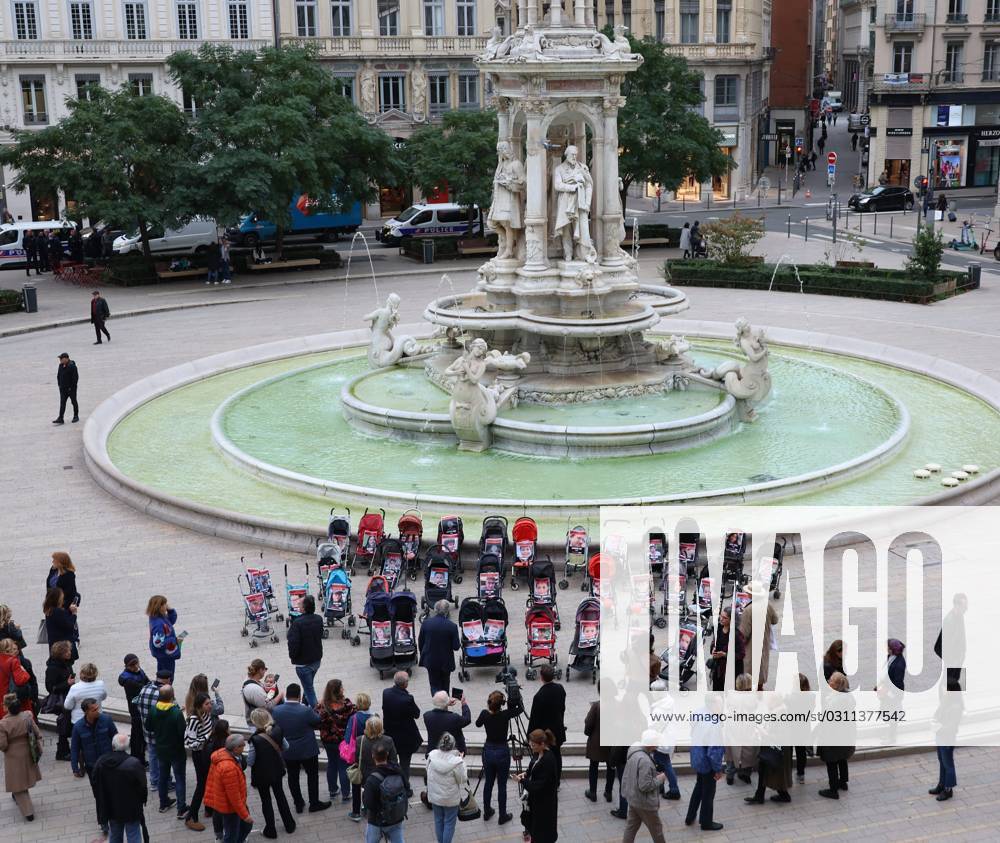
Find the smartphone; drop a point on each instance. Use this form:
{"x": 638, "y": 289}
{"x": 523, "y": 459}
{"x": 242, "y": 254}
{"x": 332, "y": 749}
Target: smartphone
{"x": 76, "y": 600}
{"x": 215, "y": 684}
{"x": 277, "y": 676}
{"x": 456, "y": 693}
{"x": 182, "y": 635}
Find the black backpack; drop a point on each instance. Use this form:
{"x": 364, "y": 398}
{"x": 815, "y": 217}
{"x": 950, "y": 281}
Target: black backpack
{"x": 393, "y": 799}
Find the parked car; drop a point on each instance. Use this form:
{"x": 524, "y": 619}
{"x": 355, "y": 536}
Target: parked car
{"x": 835, "y": 99}
{"x": 195, "y": 237}
{"x": 12, "y": 254}
{"x": 439, "y": 220}
{"x": 882, "y": 198}
{"x": 854, "y": 123}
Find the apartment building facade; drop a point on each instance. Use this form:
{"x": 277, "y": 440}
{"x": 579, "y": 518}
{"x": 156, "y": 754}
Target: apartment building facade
{"x": 858, "y": 22}
{"x": 53, "y": 50}
{"x": 791, "y": 75}
{"x": 935, "y": 99}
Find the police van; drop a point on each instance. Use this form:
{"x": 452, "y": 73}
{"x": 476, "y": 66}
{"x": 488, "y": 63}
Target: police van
{"x": 12, "y": 253}
{"x": 440, "y": 220}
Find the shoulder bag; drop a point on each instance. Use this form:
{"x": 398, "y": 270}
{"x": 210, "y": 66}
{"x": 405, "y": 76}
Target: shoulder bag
{"x": 354, "y": 770}
{"x": 43, "y": 633}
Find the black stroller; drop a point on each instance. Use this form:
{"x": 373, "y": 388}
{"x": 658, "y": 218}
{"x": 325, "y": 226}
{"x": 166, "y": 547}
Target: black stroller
{"x": 493, "y": 538}
{"x": 542, "y": 586}
{"x": 378, "y": 619}
{"x": 451, "y": 537}
{"x": 483, "y": 629}
{"x": 390, "y": 561}
{"x": 733, "y": 575}
{"x": 437, "y": 580}
{"x": 687, "y": 653}
{"x": 585, "y": 651}
{"x": 489, "y": 577}
{"x": 403, "y": 607}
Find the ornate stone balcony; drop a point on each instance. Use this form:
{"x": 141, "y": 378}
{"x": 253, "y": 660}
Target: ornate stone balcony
{"x": 103, "y": 50}
{"x": 358, "y": 46}
{"x": 718, "y": 52}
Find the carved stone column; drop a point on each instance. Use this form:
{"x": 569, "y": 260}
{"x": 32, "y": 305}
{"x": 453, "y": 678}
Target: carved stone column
{"x": 580, "y": 12}
{"x": 611, "y": 210}
{"x": 532, "y": 12}
{"x": 536, "y": 174}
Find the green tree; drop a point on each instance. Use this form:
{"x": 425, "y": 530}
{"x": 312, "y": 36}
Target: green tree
{"x": 271, "y": 125}
{"x": 730, "y": 239}
{"x": 461, "y": 153}
{"x": 662, "y": 138}
{"x": 117, "y": 155}
{"x": 928, "y": 247}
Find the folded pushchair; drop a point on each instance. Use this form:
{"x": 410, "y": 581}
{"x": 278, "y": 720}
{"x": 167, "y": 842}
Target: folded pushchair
{"x": 451, "y": 537}
{"x": 525, "y": 535}
{"x": 377, "y": 617}
{"x": 483, "y": 629}
{"x": 411, "y": 531}
{"x": 437, "y": 580}
{"x": 256, "y": 613}
{"x": 577, "y": 549}
{"x": 390, "y": 561}
{"x": 338, "y": 533}
{"x": 777, "y": 565}
{"x": 403, "y": 607}
{"x": 542, "y": 586}
{"x": 337, "y": 599}
{"x": 371, "y": 531}
{"x": 540, "y": 623}
{"x": 585, "y": 651}
{"x": 732, "y": 564}
{"x": 489, "y": 577}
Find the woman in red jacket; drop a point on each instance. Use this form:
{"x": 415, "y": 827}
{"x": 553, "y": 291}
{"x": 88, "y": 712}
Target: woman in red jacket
{"x": 12, "y": 674}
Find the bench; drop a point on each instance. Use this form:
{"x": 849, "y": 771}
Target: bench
{"x": 172, "y": 274}
{"x": 290, "y": 264}
{"x": 647, "y": 241}
{"x": 485, "y": 249}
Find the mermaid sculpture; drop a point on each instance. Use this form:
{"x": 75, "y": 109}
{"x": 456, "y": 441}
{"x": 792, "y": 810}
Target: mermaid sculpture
{"x": 748, "y": 382}
{"x": 383, "y": 348}
{"x": 474, "y": 405}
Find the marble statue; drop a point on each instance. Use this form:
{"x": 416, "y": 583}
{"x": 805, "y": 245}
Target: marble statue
{"x": 369, "y": 92}
{"x": 383, "y": 348}
{"x": 618, "y": 49}
{"x": 530, "y": 46}
{"x": 418, "y": 84}
{"x": 487, "y": 275}
{"x": 749, "y": 381}
{"x": 497, "y": 46}
{"x": 573, "y": 193}
{"x": 674, "y": 350}
{"x": 506, "y": 214}
{"x": 474, "y": 405}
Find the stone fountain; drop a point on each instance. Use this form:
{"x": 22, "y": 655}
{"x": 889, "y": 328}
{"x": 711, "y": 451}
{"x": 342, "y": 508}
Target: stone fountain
{"x": 559, "y": 315}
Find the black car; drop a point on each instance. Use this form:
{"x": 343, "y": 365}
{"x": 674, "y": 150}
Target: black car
{"x": 882, "y": 198}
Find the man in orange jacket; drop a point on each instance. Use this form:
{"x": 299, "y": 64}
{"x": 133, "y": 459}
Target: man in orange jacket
{"x": 226, "y": 790}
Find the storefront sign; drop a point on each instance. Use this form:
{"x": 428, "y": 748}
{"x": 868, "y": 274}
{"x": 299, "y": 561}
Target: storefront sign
{"x": 769, "y": 136}
{"x": 899, "y": 133}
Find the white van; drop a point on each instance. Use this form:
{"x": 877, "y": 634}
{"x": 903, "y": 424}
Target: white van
{"x": 835, "y": 99}
{"x": 196, "y": 237}
{"x": 12, "y": 239}
{"x": 444, "y": 219}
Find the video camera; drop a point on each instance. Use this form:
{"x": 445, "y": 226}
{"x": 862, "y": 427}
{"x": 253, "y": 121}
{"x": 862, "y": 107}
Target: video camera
{"x": 508, "y": 678}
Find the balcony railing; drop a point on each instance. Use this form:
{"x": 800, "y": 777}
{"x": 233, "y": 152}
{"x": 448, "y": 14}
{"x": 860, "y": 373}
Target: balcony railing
{"x": 991, "y": 16}
{"x": 956, "y": 17}
{"x": 952, "y": 77}
{"x": 717, "y": 52}
{"x": 991, "y": 75}
{"x": 901, "y": 83}
{"x": 104, "y": 50}
{"x": 394, "y": 46}
{"x": 906, "y": 24}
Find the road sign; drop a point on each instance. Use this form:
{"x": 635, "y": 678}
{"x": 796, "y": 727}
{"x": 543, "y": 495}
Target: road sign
{"x": 831, "y": 158}
{"x": 865, "y": 119}
{"x": 831, "y": 169}
{"x": 798, "y": 141}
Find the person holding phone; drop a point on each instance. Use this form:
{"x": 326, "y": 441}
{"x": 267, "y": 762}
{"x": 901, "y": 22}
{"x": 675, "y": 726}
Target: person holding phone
{"x": 62, "y": 575}
{"x": 541, "y": 783}
{"x": 60, "y": 621}
{"x": 440, "y": 720}
{"x": 164, "y": 643}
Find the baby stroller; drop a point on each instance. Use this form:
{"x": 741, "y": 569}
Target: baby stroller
{"x": 703, "y": 605}
{"x": 525, "y": 547}
{"x": 371, "y": 531}
{"x": 680, "y": 590}
{"x": 585, "y": 651}
{"x": 600, "y": 565}
{"x": 259, "y": 582}
{"x": 688, "y": 554}
{"x": 687, "y": 653}
{"x": 577, "y": 548}
{"x": 337, "y": 599}
{"x": 378, "y": 626}
{"x": 542, "y": 586}
{"x": 777, "y": 566}
{"x": 451, "y": 537}
{"x": 294, "y": 594}
{"x": 437, "y": 580}
{"x": 411, "y": 531}
{"x": 493, "y": 538}
{"x": 540, "y": 622}
{"x": 732, "y": 564}
{"x": 489, "y": 577}
{"x": 403, "y": 608}
{"x": 338, "y": 533}
{"x": 657, "y": 551}
{"x": 483, "y": 628}
{"x": 256, "y": 612}
{"x": 390, "y": 554}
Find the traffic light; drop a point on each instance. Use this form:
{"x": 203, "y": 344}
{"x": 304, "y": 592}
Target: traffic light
{"x": 798, "y": 149}
{"x": 922, "y": 185}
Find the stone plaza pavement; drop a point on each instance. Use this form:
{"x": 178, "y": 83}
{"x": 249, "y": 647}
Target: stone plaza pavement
{"x": 50, "y": 503}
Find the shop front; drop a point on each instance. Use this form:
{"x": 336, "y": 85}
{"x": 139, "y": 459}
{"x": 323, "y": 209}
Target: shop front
{"x": 722, "y": 185}
{"x": 897, "y": 167}
{"x": 985, "y": 156}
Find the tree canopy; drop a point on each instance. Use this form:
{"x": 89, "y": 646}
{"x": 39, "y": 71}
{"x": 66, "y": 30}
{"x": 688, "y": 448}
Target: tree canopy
{"x": 662, "y": 137}
{"x": 460, "y": 152}
{"x": 117, "y": 155}
{"x": 270, "y": 125}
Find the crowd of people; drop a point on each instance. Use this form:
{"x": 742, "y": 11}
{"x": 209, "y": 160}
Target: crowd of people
{"x": 368, "y": 749}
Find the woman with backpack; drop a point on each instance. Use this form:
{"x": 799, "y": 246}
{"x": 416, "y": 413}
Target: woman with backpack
{"x": 447, "y": 781}
{"x": 374, "y": 736}
{"x": 349, "y": 748}
{"x": 267, "y": 769}
{"x": 335, "y": 710}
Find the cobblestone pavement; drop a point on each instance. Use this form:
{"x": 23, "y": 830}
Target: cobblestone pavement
{"x": 48, "y": 502}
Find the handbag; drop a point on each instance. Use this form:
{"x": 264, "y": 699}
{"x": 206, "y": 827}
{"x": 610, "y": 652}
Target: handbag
{"x": 952, "y": 216}
{"x": 468, "y": 808}
{"x": 770, "y": 756}
{"x": 52, "y": 704}
{"x": 354, "y": 770}
{"x": 348, "y": 749}
{"x": 34, "y": 743}
{"x": 43, "y": 633}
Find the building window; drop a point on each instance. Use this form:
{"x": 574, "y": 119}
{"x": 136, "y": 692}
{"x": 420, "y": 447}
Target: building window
{"x": 726, "y": 100}
{"x": 434, "y": 17}
{"x": 346, "y": 83}
{"x": 26, "y": 21}
{"x": 468, "y": 90}
{"x": 902, "y": 56}
{"x": 388, "y": 18}
{"x": 956, "y": 11}
{"x": 33, "y": 99}
{"x": 141, "y": 84}
{"x": 904, "y": 10}
{"x": 437, "y": 90}
{"x": 190, "y": 106}
{"x": 723, "y": 21}
{"x": 391, "y": 89}
{"x": 341, "y": 10}
{"x": 305, "y": 18}
{"x": 187, "y": 21}
{"x": 467, "y": 17}
{"x": 135, "y": 21}
{"x": 992, "y": 10}
{"x": 81, "y": 20}
{"x": 502, "y": 25}
{"x": 690, "y": 32}
{"x": 991, "y": 61}
{"x": 239, "y": 19}
{"x": 609, "y": 12}
{"x": 85, "y": 85}
{"x": 953, "y": 62}
{"x": 660, "y": 20}
{"x": 627, "y": 14}
{"x": 986, "y": 166}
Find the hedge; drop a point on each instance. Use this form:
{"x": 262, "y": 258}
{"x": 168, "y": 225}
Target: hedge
{"x": 890, "y": 284}
{"x": 130, "y": 270}
{"x": 444, "y": 247}
{"x": 10, "y": 301}
{"x": 656, "y": 231}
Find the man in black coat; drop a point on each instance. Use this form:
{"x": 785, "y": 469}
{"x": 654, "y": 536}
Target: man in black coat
{"x": 99, "y": 313}
{"x": 42, "y": 250}
{"x": 120, "y": 788}
{"x": 67, "y": 377}
{"x": 548, "y": 710}
{"x": 439, "y": 720}
{"x": 399, "y": 720}
{"x": 305, "y": 647}
{"x": 31, "y": 253}
{"x": 438, "y": 642}
{"x": 56, "y": 253}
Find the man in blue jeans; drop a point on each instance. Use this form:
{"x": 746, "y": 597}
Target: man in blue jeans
{"x": 384, "y": 799}
{"x": 707, "y": 761}
{"x": 121, "y": 791}
{"x": 166, "y": 722}
{"x": 305, "y": 647}
{"x": 145, "y": 702}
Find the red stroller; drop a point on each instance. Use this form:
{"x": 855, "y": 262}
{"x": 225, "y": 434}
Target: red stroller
{"x": 371, "y": 531}
{"x": 540, "y": 622}
{"x": 411, "y": 531}
{"x": 525, "y": 535}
